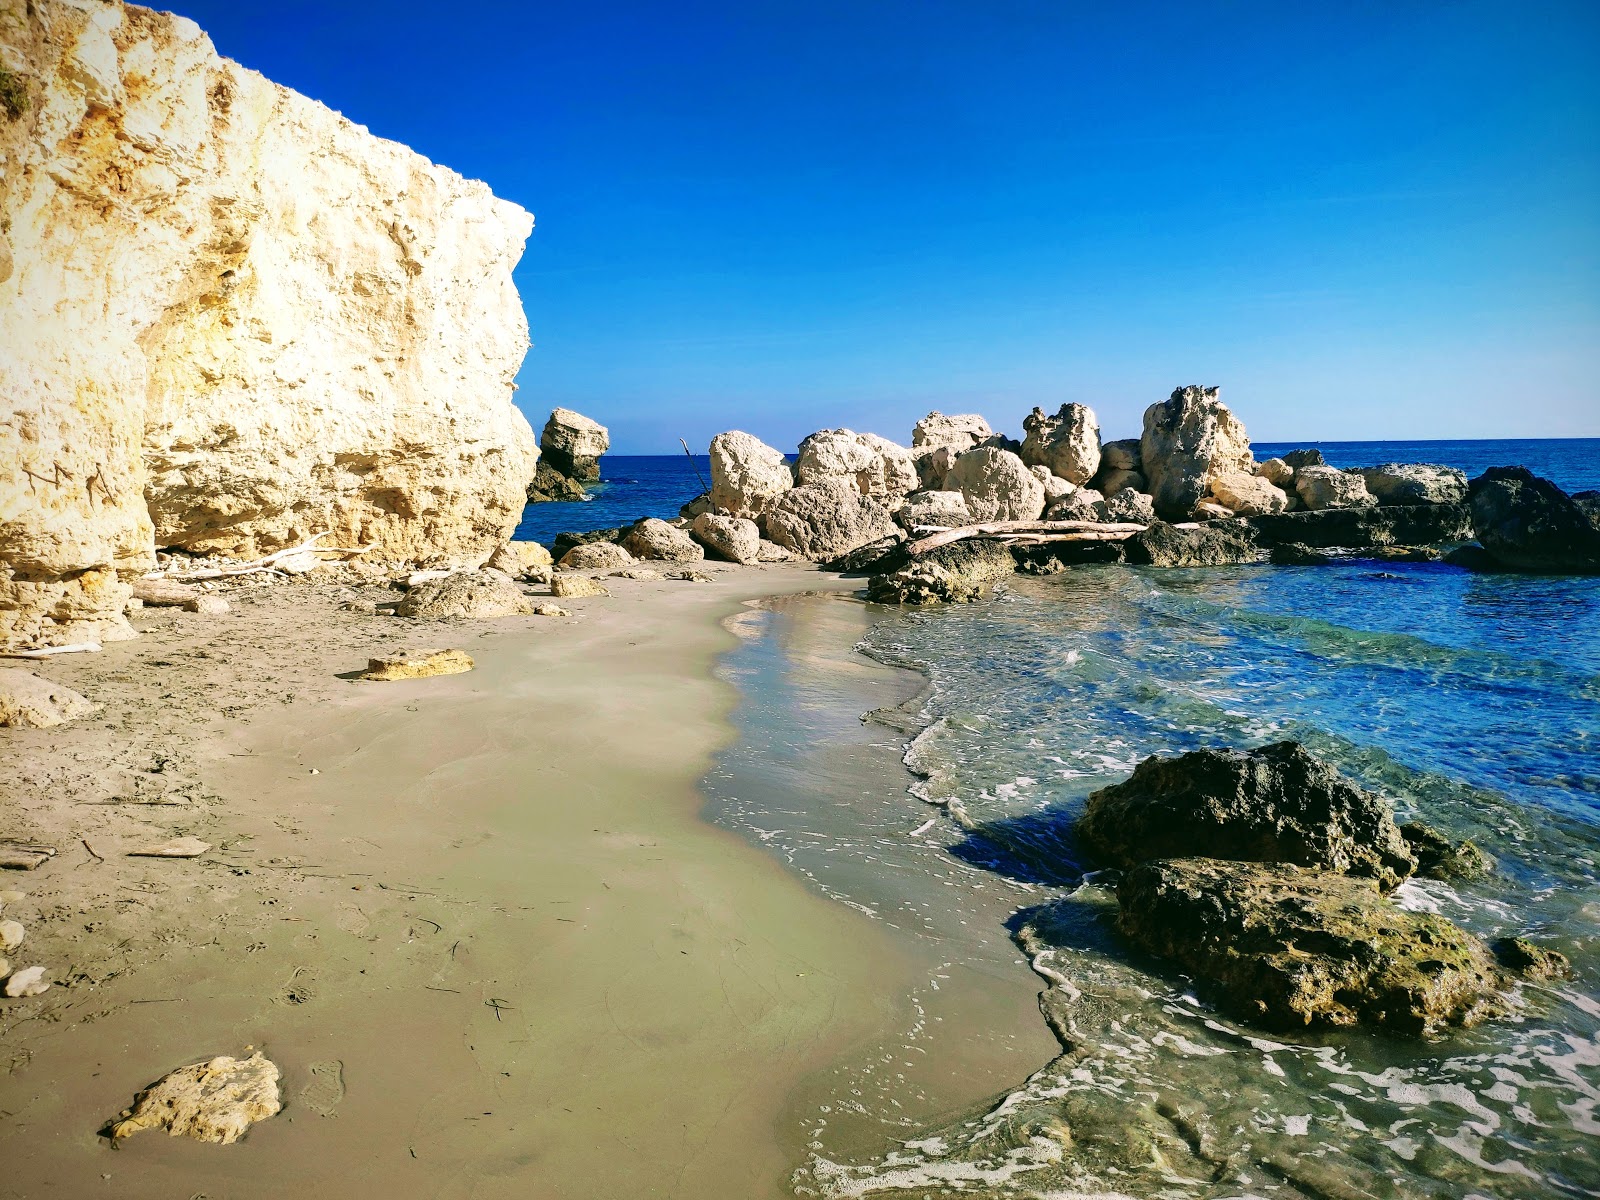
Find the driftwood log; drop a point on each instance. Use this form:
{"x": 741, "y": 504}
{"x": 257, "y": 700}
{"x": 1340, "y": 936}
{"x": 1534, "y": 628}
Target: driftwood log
{"x": 295, "y": 560}
{"x": 1029, "y": 533}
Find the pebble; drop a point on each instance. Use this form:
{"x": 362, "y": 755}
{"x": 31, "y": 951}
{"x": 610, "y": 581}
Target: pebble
{"x": 183, "y": 847}
{"x": 11, "y": 935}
{"x": 29, "y": 981}
{"x": 211, "y": 606}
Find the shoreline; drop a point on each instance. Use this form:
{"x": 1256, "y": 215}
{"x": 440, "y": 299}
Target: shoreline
{"x": 480, "y": 808}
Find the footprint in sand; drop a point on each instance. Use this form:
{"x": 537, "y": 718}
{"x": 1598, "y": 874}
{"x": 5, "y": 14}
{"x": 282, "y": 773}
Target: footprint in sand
{"x": 352, "y": 920}
{"x": 326, "y": 1089}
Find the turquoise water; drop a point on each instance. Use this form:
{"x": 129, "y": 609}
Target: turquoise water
{"x": 1473, "y": 702}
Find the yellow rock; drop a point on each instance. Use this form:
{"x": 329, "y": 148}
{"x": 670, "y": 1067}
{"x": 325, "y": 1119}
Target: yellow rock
{"x": 576, "y": 585}
{"x": 418, "y": 664}
{"x": 213, "y": 1101}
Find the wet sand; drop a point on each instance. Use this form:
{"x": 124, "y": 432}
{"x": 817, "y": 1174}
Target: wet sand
{"x": 476, "y": 919}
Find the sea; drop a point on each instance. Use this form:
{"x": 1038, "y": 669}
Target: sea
{"x": 1470, "y": 701}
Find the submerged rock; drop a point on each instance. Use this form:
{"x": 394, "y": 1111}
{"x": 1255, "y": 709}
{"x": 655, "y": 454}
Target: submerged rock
{"x": 418, "y": 664}
{"x": 1529, "y": 524}
{"x": 473, "y": 594}
{"x": 573, "y": 444}
{"x": 1190, "y": 439}
{"x": 958, "y": 573}
{"x": 1068, "y": 444}
{"x": 823, "y": 520}
{"x": 658, "y": 541}
{"x": 996, "y": 485}
{"x": 1277, "y": 804}
{"x": 1531, "y": 960}
{"x": 213, "y": 1101}
{"x": 732, "y": 539}
{"x": 30, "y": 701}
{"x": 1415, "y": 483}
{"x": 746, "y": 474}
{"x": 1288, "y": 947}
{"x": 1213, "y": 544}
{"x": 1440, "y": 858}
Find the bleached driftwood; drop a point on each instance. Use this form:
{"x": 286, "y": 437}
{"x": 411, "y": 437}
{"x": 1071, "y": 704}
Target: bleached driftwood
{"x": 1053, "y": 531}
{"x": 294, "y": 559}
{"x": 49, "y": 651}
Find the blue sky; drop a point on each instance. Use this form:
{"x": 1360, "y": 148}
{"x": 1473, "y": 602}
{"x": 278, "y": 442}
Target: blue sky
{"x": 1361, "y": 219}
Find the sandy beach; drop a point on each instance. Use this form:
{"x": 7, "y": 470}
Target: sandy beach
{"x": 475, "y": 919}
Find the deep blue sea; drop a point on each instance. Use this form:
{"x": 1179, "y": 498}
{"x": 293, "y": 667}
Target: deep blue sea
{"x": 1470, "y": 701}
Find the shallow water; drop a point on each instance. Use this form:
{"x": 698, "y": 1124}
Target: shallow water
{"x": 1472, "y": 701}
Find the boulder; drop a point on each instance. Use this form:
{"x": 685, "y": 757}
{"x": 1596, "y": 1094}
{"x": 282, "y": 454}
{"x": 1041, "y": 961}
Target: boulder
{"x": 1248, "y": 495}
{"x": 732, "y": 539}
{"x": 868, "y": 559}
{"x": 30, "y": 981}
{"x": 1055, "y": 487}
{"x": 997, "y": 486}
{"x": 522, "y": 560}
{"x": 1296, "y": 459}
{"x": 573, "y": 444}
{"x": 1127, "y": 505}
{"x": 1415, "y": 483}
{"x": 771, "y": 552}
{"x": 700, "y": 504}
{"x": 417, "y": 664}
{"x": 31, "y": 702}
{"x": 1531, "y": 960}
{"x": 1068, "y": 443}
{"x": 1278, "y": 473}
{"x": 746, "y": 474}
{"x": 596, "y": 556}
{"x": 893, "y": 472}
{"x": 1329, "y": 487}
{"x": 1529, "y": 524}
{"x": 1112, "y": 480}
{"x": 1213, "y": 544}
{"x": 573, "y": 586}
{"x": 1440, "y": 858}
{"x": 210, "y": 606}
{"x": 875, "y": 465}
{"x": 550, "y": 484}
{"x": 1082, "y": 504}
{"x": 564, "y": 542}
{"x": 1123, "y": 455}
{"x": 947, "y": 510}
{"x": 1190, "y": 439}
{"x": 932, "y": 464}
{"x": 1278, "y": 804}
{"x": 960, "y": 433}
{"x": 1210, "y": 510}
{"x": 473, "y": 594}
{"x": 1355, "y": 528}
{"x": 824, "y": 520}
{"x": 1294, "y": 554}
{"x": 957, "y": 573}
{"x": 1287, "y": 948}
{"x": 212, "y": 1101}
{"x": 660, "y": 542}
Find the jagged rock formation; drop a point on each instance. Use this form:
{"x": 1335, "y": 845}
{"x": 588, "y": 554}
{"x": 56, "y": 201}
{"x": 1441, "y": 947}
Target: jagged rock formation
{"x": 233, "y": 319}
{"x": 996, "y": 485}
{"x": 1067, "y": 443}
{"x": 746, "y": 474}
{"x": 1190, "y": 439}
{"x": 573, "y": 444}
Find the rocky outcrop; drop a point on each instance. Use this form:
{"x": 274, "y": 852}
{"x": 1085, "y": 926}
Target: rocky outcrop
{"x": 234, "y": 319}
{"x": 1289, "y": 948}
{"x": 957, "y": 573}
{"x": 1355, "y": 528}
{"x": 824, "y": 520}
{"x": 572, "y": 444}
{"x": 1067, "y": 443}
{"x": 657, "y": 540}
{"x": 1440, "y": 858}
{"x": 1329, "y": 487}
{"x": 947, "y": 510}
{"x": 1213, "y": 544}
{"x": 746, "y": 474}
{"x": 1529, "y": 524}
{"x": 1531, "y": 960}
{"x": 996, "y": 486}
{"x": 1190, "y": 439}
{"x": 1278, "y": 804}
{"x": 1415, "y": 483}
{"x": 732, "y": 539}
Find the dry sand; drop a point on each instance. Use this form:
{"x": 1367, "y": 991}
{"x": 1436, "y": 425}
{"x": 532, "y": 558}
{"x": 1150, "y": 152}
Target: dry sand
{"x": 475, "y": 919}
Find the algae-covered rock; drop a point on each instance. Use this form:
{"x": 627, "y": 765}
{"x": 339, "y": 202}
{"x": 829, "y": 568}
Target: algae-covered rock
{"x": 1288, "y": 947}
{"x": 960, "y": 572}
{"x": 1531, "y": 960}
{"x": 1440, "y": 858}
{"x": 1278, "y": 804}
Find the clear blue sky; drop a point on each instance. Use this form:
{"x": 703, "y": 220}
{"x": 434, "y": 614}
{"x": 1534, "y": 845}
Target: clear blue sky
{"x": 1361, "y": 219}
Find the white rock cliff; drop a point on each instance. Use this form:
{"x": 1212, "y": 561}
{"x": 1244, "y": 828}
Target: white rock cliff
{"x": 230, "y": 319}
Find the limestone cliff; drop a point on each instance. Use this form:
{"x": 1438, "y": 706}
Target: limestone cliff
{"x": 229, "y": 319}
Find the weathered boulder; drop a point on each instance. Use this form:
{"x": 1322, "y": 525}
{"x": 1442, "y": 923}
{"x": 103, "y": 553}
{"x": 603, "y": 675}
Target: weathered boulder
{"x": 932, "y": 464}
{"x": 1213, "y": 544}
{"x": 522, "y": 560}
{"x": 235, "y": 319}
{"x": 1415, "y": 483}
{"x": 1127, "y": 505}
{"x": 957, "y": 573}
{"x": 1210, "y": 510}
{"x": 996, "y": 485}
{"x": 417, "y": 664}
{"x": 28, "y": 701}
{"x": 872, "y": 558}
{"x": 573, "y": 586}
{"x": 1067, "y": 443}
{"x": 655, "y": 539}
{"x": 1288, "y": 947}
{"x": 573, "y": 444}
{"x": 1112, "y": 480}
{"x": 1190, "y": 439}
{"x": 1082, "y": 504}
{"x": 771, "y": 552}
{"x": 596, "y": 556}
{"x": 564, "y": 542}
{"x": 732, "y": 539}
{"x": 746, "y": 474}
{"x": 209, "y": 606}
{"x": 1122, "y": 455}
{"x": 30, "y": 981}
{"x": 962, "y": 432}
{"x": 473, "y": 594}
{"x": 550, "y": 484}
{"x": 893, "y": 472}
{"x": 1529, "y": 524}
{"x": 1277, "y": 804}
{"x": 876, "y": 466}
{"x": 1329, "y": 487}
{"x": 1354, "y": 528}
{"x": 824, "y": 520}
{"x": 1248, "y": 495}
{"x": 1296, "y": 459}
{"x": 947, "y": 510}
{"x": 212, "y": 1101}
{"x": 1278, "y": 473}
{"x": 1440, "y": 858}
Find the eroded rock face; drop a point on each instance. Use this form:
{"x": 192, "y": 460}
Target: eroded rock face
{"x": 948, "y": 510}
{"x": 1067, "y": 443}
{"x": 1249, "y": 495}
{"x": 235, "y": 319}
{"x": 1190, "y": 439}
{"x": 996, "y": 485}
{"x": 655, "y": 539}
{"x": 1415, "y": 483}
{"x": 824, "y": 520}
{"x": 746, "y": 474}
{"x": 732, "y": 539}
{"x": 1529, "y": 524}
{"x": 960, "y": 433}
{"x": 1288, "y": 948}
{"x": 1278, "y": 804}
{"x": 573, "y": 444}
{"x": 1329, "y": 487}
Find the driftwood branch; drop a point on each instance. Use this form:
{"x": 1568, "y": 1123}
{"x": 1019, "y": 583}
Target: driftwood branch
{"x": 288, "y": 558}
{"x": 49, "y": 651}
{"x": 1054, "y": 531}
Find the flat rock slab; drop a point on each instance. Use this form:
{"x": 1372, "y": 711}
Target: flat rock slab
{"x": 29, "y": 701}
{"x": 24, "y": 856}
{"x": 418, "y": 664}
{"x": 213, "y": 1101}
{"x": 1289, "y": 948}
{"x": 30, "y": 981}
{"x": 570, "y": 586}
{"x": 183, "y": 847}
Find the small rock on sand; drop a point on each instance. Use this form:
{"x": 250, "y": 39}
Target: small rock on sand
{"x": 550, "y": 610}
{"x": 213, "y": 1101}
{"x": 210, "y": 606}
{"x": 11, "y": 935}
{"x": 418, "y": 664}
{"x": 29, "y": 701}
{"x": 24, "y": 856}
{"x": 29, "y": 981}
{"x": 576, "y": 585}
{"x": 366, "y": 608}
{"x": 182, "y": 847}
